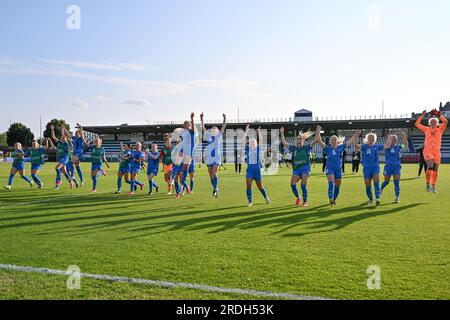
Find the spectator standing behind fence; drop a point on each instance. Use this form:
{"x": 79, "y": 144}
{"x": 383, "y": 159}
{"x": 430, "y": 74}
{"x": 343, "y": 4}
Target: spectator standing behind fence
{"x": 344, "y": 156}
{"x": 238, "y": 160}
{"x": 356, "y": 159}
{"x": 422, "y": 162}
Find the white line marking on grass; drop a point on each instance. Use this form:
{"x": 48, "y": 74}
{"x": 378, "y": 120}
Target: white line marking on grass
{"x": 52, "y": 200}
{"x": 165, "y": 284}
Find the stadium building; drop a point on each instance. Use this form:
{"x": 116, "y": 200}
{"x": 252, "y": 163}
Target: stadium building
{"x": 301, "y": 121}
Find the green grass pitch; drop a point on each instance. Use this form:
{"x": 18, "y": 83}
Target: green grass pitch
{"x": 316, "y": 251}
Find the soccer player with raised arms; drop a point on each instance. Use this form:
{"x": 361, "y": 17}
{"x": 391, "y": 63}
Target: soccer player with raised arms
{"x": 213, "y": 151}
{"x": 393, "y": 166}
{"x": 98, "y": 157}
{"x": 300, "y": 164}
{"x": 432, "y": 146}
{"x": 334, "y": 153}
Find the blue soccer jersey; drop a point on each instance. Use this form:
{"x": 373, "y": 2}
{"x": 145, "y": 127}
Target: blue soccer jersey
{"x": 213, "y": 150}
{"x": 334, "y": 156}
{"x": 393, "y": 157}
{"x": 78, "y": 144}
{"x": 370, "y": 155}
{"x": 136, "y": 157}
{"x": 153, "y": 159}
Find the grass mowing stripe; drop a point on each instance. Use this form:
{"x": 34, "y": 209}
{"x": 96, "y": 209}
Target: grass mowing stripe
{"x": 51, "y": 200}
{"x": 166, "y": 284}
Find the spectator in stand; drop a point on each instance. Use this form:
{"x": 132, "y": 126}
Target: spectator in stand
{"x": 356, "y": 159}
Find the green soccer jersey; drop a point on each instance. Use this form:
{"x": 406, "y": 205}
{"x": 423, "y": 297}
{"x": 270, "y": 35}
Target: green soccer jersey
{"x": 37, "y": 156}
{"x": 18, "y": 157}
{"x": 124, "y": 163}
{"x": 97, "y": 155}
{"x": 62, "y": 150}
{"x": 167, "y": 155}
{"x": 300, "y": 156}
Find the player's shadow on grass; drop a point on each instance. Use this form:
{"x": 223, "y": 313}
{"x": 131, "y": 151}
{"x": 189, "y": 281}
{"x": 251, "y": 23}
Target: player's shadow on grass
{"x": 324, "y": 226}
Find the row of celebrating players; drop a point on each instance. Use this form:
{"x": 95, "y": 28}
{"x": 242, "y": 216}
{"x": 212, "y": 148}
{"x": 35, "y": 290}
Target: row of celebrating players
{"x": 178, "y": 160}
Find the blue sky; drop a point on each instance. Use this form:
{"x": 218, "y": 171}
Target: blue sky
{"x": 159, "y": 60}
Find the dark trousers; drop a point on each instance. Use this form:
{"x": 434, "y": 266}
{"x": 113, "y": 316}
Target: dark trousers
{"x": 422, "y": 166}
{"x": 324, "y": 165}
{"x": 355, "y": 166}
{"x": 237, "y": 167}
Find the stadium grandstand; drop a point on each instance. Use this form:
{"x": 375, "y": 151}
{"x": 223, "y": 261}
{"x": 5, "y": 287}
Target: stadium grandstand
{"x": 303, "y": 120}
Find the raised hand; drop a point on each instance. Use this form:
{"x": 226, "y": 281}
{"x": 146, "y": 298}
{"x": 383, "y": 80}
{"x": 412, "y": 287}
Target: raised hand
{"x": 282, "y": 130}
{"x": 192, "y": 115}
{"x": 201, "y": 116}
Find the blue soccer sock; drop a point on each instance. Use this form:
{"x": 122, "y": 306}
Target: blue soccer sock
{"x": 58, "y": 176}
{"x": 397, "y": 188}
{"x": 94, "y": 182}
{"x": 192, "y": 185}
{"x": 215, "y": 182}
{"x": 36, "y": 179}
{"x": 377, "y": 190}
{"x": 137, "y": 182}
{"x": 304, "y": 193}
{"x": 330, "y": 189}
{"x": 177, "y": 187}
{"x": 66, "y": 174}
{"x": 337, "y": 189}
{"x": 384, "y": 185}
{"x": 132, "y": 184}
{"x": 369, "y": 193}
{"x": 26, "y": 179}
{"x": 264, "y": 193}
{"x": 119, "y": 184}
{"x": 80, "y": 173}
{"x": 249, "y": 195}
{"x": 11, "y": 179}
{"x": 184, "y": 177}
{"x": 150, "y": 182}
{"x": 295, "y": 190}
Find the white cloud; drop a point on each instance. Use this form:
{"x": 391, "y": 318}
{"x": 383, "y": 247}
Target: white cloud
{"x": 107, "y": 66}
{"x": 100, "y": 98}
{"x": 79, "y": 104}
{"x": 138, "y": 102}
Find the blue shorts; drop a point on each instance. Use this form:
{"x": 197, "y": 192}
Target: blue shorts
{"x": 337, "y": 172}
{"x": 303, "y": 170}
{"x": 177, "y": 169}
{"x": 96, "y": 167}
{"x": 254, "y": 173}
{"x": 191, "y": 167}
{"x": 19, "y": 167}
{"x": 152, "y": 170}
{"x": 70, "y": 167}
{"x": 79, "y": 154}
{"x": 36, "y": 167}
{"x": 136, "y": 170}
{"x": 392, "y": 170}
{"x": 369, "y": 172}
{"x": 64, "y": 161}
{"x": 124, "y": 170}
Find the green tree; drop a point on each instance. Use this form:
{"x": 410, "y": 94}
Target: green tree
{"x": 3, "y": 141}
{"x": 19, "y": 132}
{"x": 57, "y": 124}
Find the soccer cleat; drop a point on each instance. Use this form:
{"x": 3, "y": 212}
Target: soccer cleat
{"x": 41, "y": 186}
{"x": 82, "y": 183}
{"x": 397, "y": 200}
{"x": 377, "y": 203}
{"x": 332, "y": 202}
{"x": 93, "y": 191}
{"x": 157, "y": 189}
{"x": 31, "y": 184}
{"x": 297, "y": 202}
{"x": 71, "y": 185}
{"x": 267, "y": 200}
{"x": 305, "y": 204}
{"x": 76, "y": 183}
{"x": 433, "y": 190}
{"x": 142, "y": 187}
{"x": 428, "y": 188}
{"x": 104, "y": 173}
{"x": 131, "y": 193}
{"x": 370, "y": 203}
{"x": 188, "y": 190}
{"x": 150, "y": 192}
{"x": 117, "y": 192}
{"x": 7, "y": 188}
{"x": 178, "y": 196}
{"x": 250, "y": 204}
{"x": 169, "y": 193}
